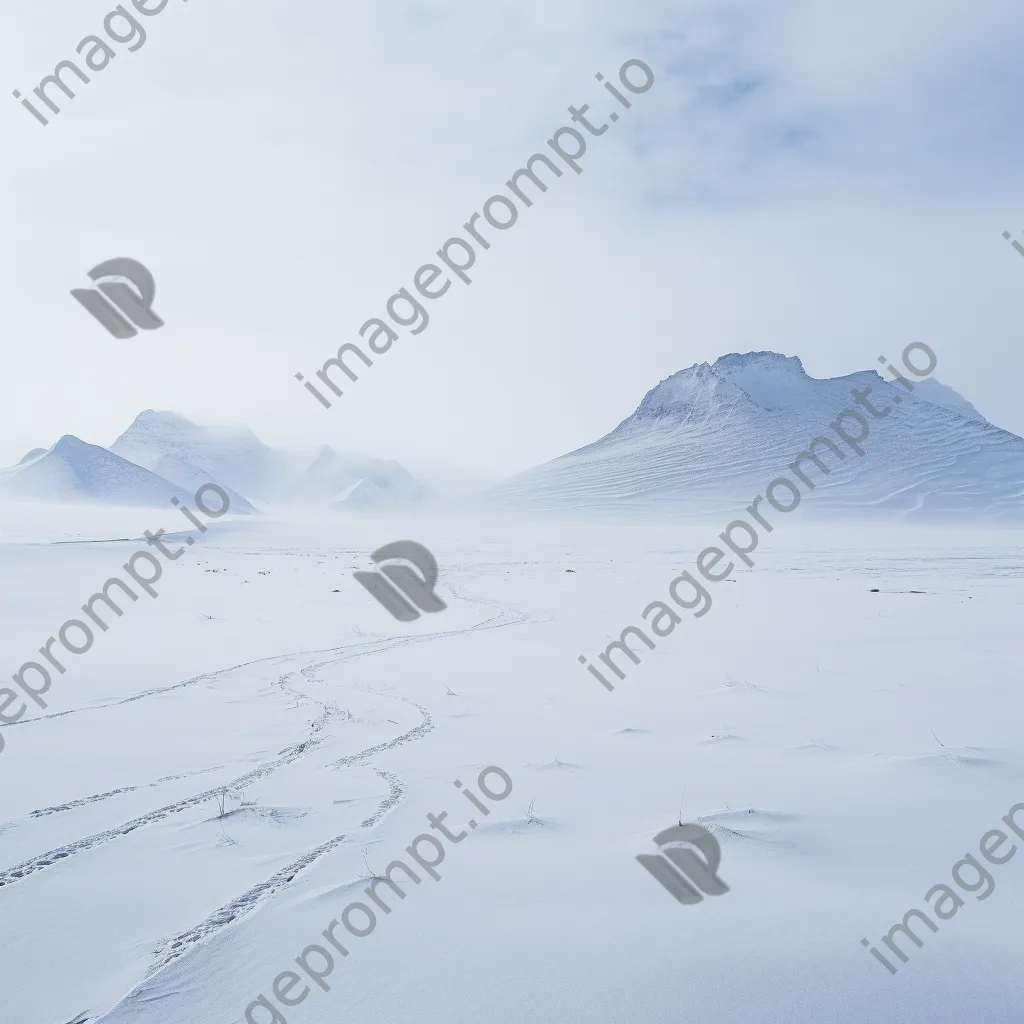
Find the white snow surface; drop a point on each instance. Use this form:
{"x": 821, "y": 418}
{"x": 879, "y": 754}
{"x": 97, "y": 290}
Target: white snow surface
{"x": 712, "y": 437}
{"x": 845, "y": 747}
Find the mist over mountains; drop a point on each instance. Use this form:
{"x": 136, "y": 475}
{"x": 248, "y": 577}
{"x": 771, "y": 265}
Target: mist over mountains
{"x": 704, "y": 441}
{"x": 75, "y": 471}
{"x": 163, "y": 455}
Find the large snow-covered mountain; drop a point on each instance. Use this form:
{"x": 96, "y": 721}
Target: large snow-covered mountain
{"x": 709, "y": 439}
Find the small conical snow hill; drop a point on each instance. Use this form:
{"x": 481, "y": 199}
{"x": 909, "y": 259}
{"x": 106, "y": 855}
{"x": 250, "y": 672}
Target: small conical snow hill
{"x": 74, "y": 471}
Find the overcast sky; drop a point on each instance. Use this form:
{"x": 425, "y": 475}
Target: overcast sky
{"x": 828, "y": 180}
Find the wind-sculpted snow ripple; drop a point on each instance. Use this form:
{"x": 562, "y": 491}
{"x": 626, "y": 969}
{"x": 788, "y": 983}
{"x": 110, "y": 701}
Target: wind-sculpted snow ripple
{"x": 704, "y": 437}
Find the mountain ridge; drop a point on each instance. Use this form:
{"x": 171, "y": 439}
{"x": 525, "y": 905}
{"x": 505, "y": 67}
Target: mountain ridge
{"x": 713, "y": 434}
{"x": 162, "y": 454}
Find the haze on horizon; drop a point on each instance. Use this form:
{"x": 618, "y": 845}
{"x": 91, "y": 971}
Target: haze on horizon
{"x": 826, "y": 183}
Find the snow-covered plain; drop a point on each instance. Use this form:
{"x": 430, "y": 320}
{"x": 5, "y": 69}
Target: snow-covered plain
{"x": 846, "y": 747}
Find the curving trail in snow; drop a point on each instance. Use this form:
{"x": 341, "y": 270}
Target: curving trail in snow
{"x": 301, "y": 676}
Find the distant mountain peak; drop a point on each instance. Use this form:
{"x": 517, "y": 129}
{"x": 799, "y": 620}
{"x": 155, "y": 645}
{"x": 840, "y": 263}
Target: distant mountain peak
{"x": 161, "y": 416}
{"x": 74, "y": 470}
{"x": 162, "y": 421}
{"x": 733, "y": 381}
{"x": 735, "y": 361}
{"x": 162, "y": 454}
{"x": 166, "y": 423}
{"x": 70, "y": 443}
{"x": 696, "y": 392}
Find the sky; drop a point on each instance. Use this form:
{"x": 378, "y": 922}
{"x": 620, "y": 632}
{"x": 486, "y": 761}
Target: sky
{"x": 828, "y": 181}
